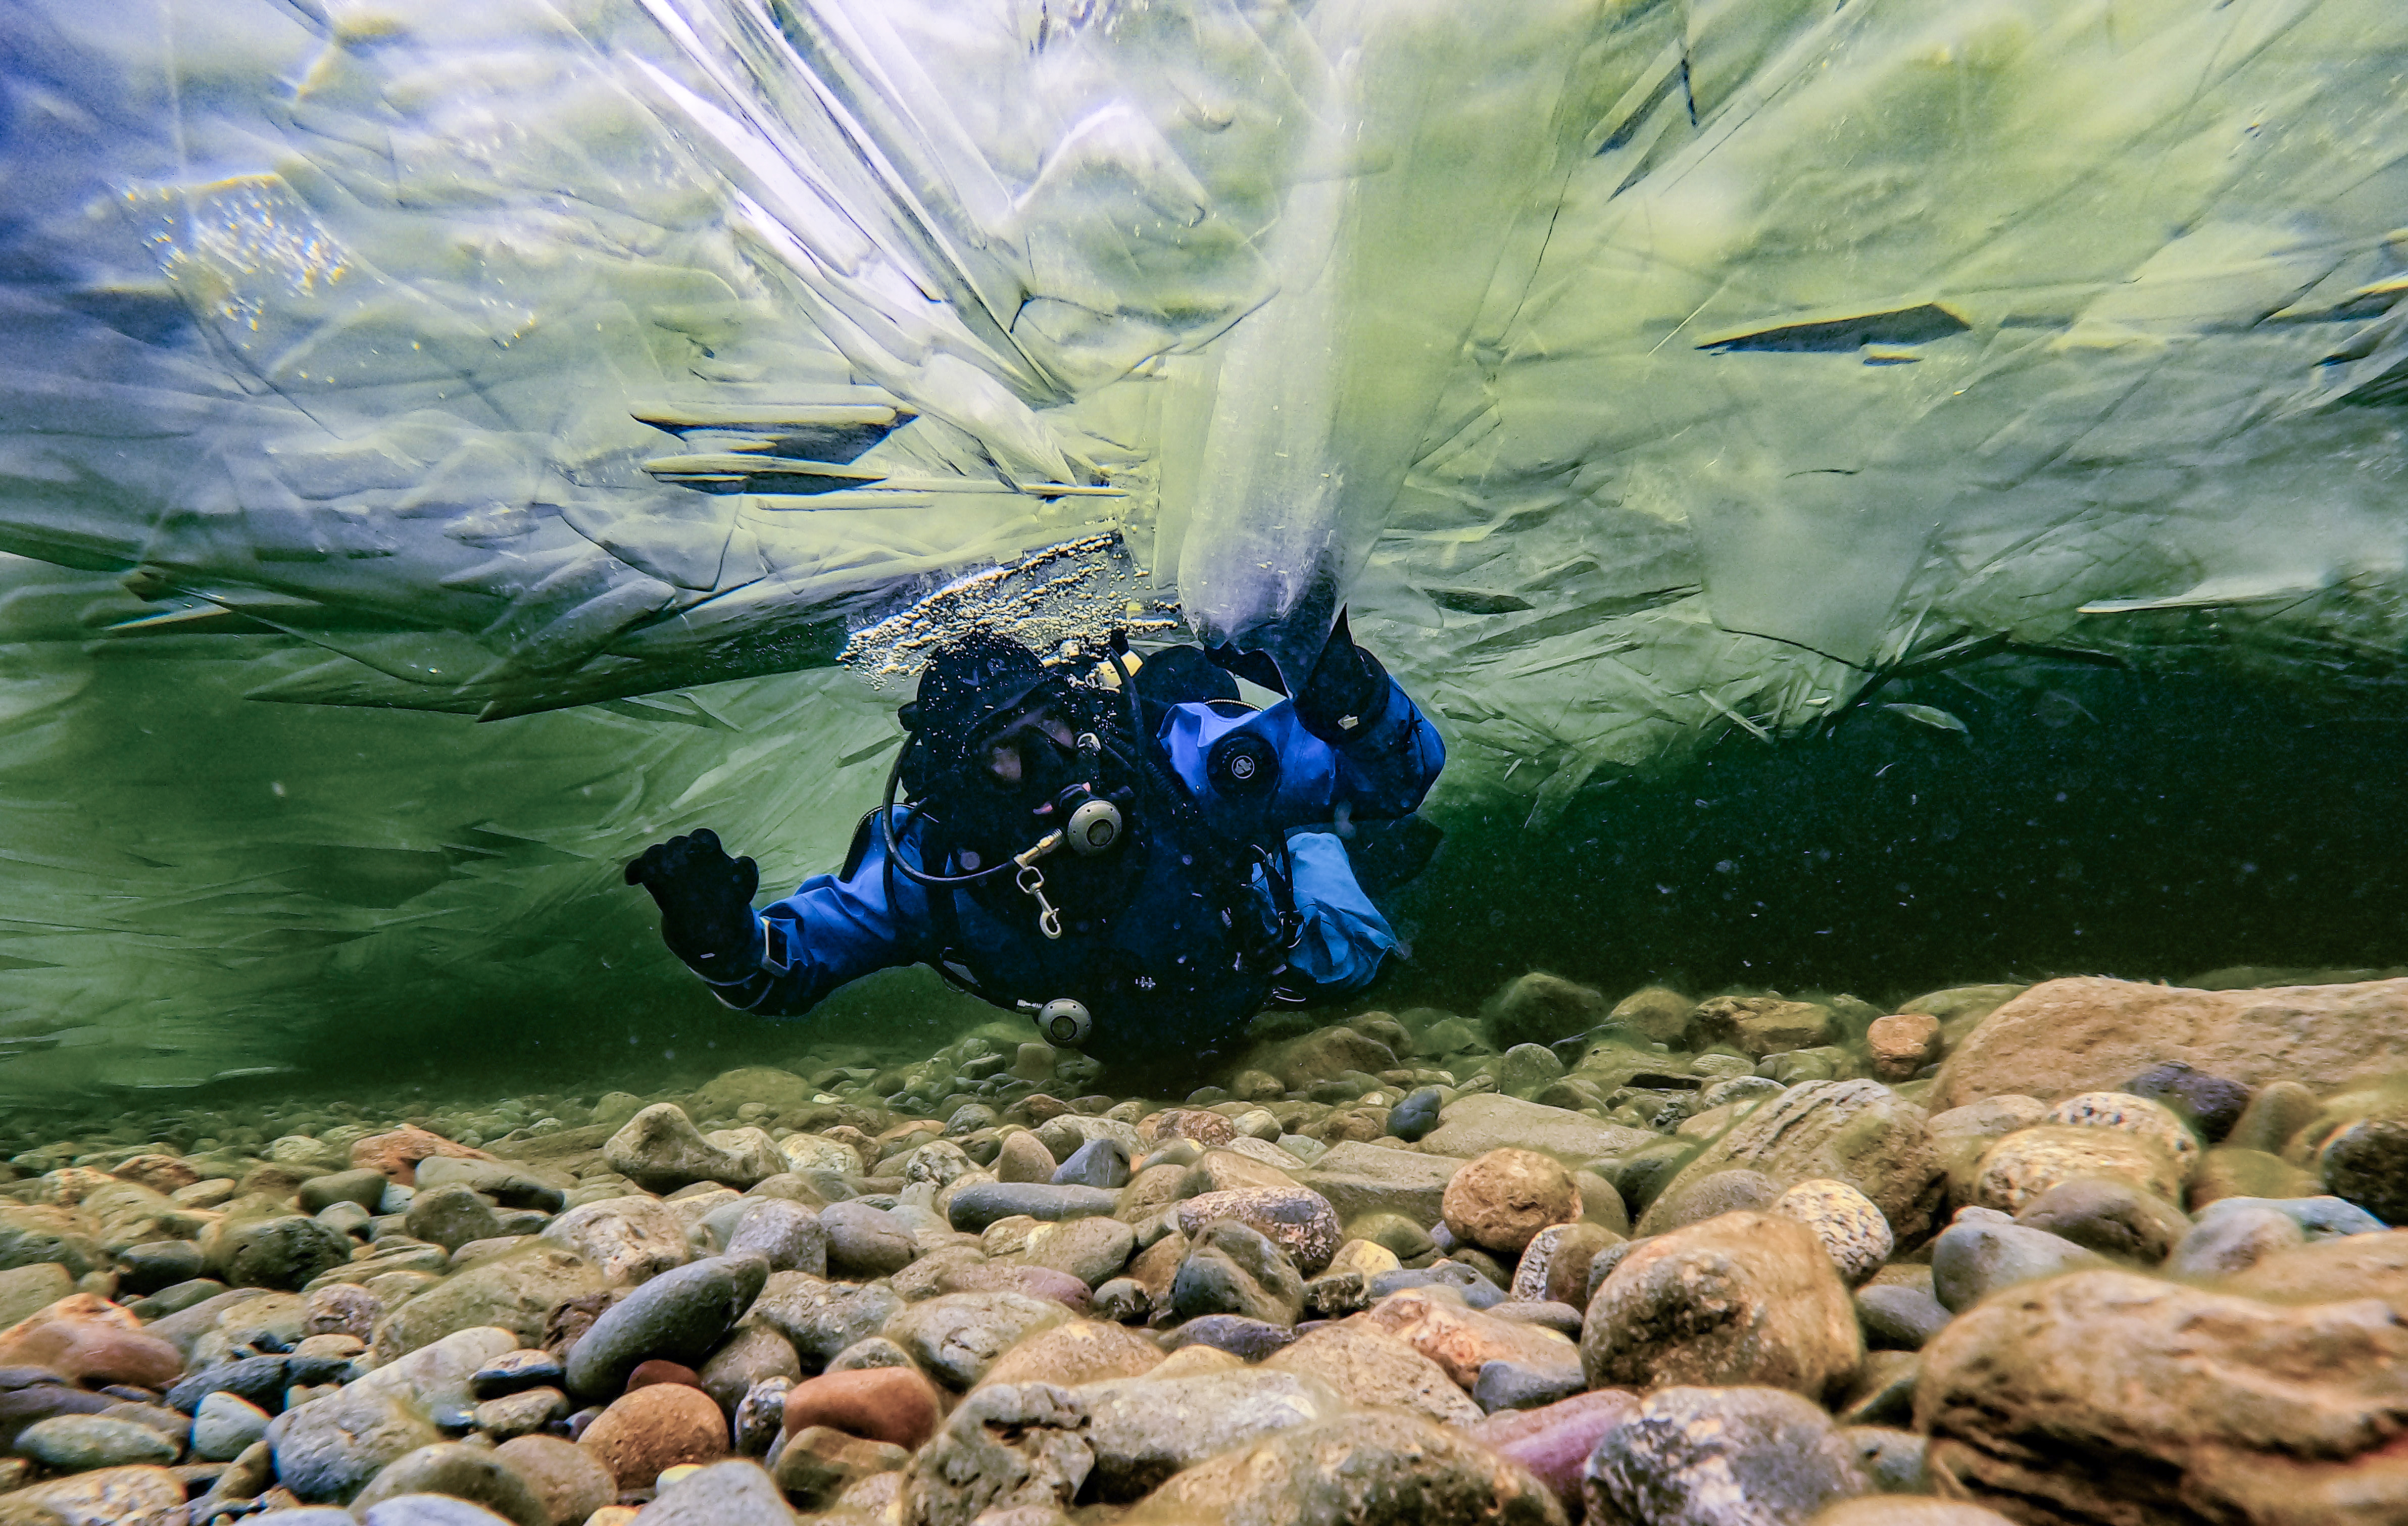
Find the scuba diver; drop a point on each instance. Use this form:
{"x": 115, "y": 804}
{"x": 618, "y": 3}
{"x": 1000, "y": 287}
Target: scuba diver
{"x": 1139, "y": 863}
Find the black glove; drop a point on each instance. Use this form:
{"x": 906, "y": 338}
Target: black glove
{"x": 1347, "y": 695}
{"x": 706, "y": 901}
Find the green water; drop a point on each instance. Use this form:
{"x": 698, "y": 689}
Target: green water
{"x": 2161, "y": 826}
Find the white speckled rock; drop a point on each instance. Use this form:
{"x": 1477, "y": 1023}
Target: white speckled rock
{"x": 2151, "y": 1121}
{"x": 1847, "y": 1223}
{"x": 2028, "y": 1162}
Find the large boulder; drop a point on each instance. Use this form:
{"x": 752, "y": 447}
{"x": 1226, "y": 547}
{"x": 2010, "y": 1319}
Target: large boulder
{"x": 2106, "y": 1397}
{"x": 2093, "y": 1034}
{"x": 1859, "y": 1133}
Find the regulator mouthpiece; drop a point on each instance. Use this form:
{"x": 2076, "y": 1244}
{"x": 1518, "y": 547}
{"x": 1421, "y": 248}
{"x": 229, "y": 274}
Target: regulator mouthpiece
{"x": 1065, "y": 1022}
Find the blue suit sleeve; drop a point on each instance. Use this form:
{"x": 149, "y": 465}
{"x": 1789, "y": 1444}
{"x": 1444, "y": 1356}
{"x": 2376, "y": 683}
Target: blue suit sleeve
{"x": 1382, "y": 775}
{"x": 832, "y": 929}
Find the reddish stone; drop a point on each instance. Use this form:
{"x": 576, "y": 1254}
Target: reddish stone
{"x": 70, "y": 1185}
{"x": 160, "y": 1173}
{"x": 656, "y": 1428}
{"x": 1035, "y": 1281}
{"x": 893, "y": 1404}
{"x": 1554, "y": 1442}
{"x": 658, "y": 1371}
{"x": 89, "y": 1340}
{"x": 1189, "y": 1123}
{"x": 1462, "y": 1340}
{"x": 1036, "y": 1107}
{"x": 398, "y": 1153}
{"x": 1903, "y": 1043}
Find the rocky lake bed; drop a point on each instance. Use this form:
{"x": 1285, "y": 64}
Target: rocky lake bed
{"x": 2092, "y": 1252}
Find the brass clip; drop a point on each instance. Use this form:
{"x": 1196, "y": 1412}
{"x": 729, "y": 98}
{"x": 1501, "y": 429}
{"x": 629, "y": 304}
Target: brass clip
{"x": 1032, "y": 883}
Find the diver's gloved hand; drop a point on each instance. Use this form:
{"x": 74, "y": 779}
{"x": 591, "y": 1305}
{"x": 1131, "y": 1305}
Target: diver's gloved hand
{"x": 1347, "y": 695}
{"x": 706, "y": 901}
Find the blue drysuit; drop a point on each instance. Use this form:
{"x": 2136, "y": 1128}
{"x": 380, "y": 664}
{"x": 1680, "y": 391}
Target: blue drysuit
{"x": 1172, "y": 960}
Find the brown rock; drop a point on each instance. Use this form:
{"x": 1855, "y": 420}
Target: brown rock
{"x": 1742, "y": 1298}
{"x": 566, "y": 1477}
{"x": 818, "y": 1465}
{"x": 1297, "y": 1220}
{"x": 1023, "y": 1157}
{"x": 1224, "y": 1171}
{"x": 1859, "y": 1133}
{"x": 1349, "y": 1126}
{"x": 1693, "y": 1200}
{"x": 2089, "y": 1033}
{"x": 2110, "y": 1218}
{"x": 1159, "y": 1263}
{"x": 1907, "y": 1510}
{"x": 1658, "y": 1014}
{"x": 1902, "y": 1044}
{"x": 2228, "y": 1172}
{"x": 892, "y": 1404}
{"x": 1379, "y": 1468}
{"x": 1460, "y": 1339}
{"x": 1044, "y": 1282}
{"x": 2280, "y": 1110}
{"x": 159, "y": 1172}
{"x": 1371, "y": 1367}
{"x": 1149, "y": 1191}
{"x": 398, "y": 1153}
{"x": 1499, "y": 1201}
{"x": 135, "y": 1496}
{"x": 1189, "y": 1123}
{"x": 2332, "y": 1271}
{"x": 1085, "y": 1351}
{"x": 1758, "y": 1025}
{"x": 1962, "y": 1135}
{"x": 2107, "y": 1397}
{"x": 2023, "y": 1165}
{"x": 656, "y": 1428}
{"x": 91, "y": 1341}
{"x": 1323, "y": 1054}
{"x": 1473, "y": 1126}
{"x": 660, "y": 1370}
{"x": 1554, "y": 1268}
{"x": 1359, "y": 1179}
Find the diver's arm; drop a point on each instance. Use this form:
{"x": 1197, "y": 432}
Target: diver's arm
{"x": 1383, "y": 753}
{"x": 834, "y": 928}
{"x": 1290, "y": 776}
